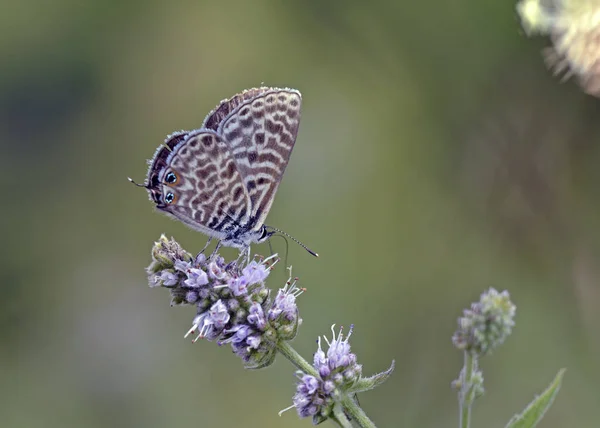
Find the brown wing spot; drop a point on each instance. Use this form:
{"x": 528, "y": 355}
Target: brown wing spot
{"x": 281, "y": 98}
{"x": 237, "y": 193}
{"x": 257, "y": 104}
{"x": 270, "y": 99}
{"x": 194, "y": 143}
{"x": 259, "y": 138}
{"x": 244, "y": 111}
{"x": 203, "y": 173}
{"x": 261, "y": 181}
{"x": 247, "y": 122}
{"x": 207, "y": 140}
{"x": 286, "y": 139}
{"x": 269, "y": 157}
{"x": 233, "y": 135}
{"x": 294, "y": 102}
{"x": 252, "y": 157}
{"x": 251, "y": 184}
{"x": 273, "y": 128}
{"x": 228, "y": 173}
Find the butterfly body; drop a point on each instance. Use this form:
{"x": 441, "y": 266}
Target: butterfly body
{"x": 221, "y": 179}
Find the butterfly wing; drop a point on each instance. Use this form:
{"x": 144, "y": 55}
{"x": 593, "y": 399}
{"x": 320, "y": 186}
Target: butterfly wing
{"x": 260, "y": 130}
{"x": 201, "y": 186}
{"x": 225, "y": 107}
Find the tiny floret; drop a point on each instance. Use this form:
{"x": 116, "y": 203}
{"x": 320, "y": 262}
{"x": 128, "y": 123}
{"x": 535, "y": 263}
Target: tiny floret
{"x": 196, "y": 278}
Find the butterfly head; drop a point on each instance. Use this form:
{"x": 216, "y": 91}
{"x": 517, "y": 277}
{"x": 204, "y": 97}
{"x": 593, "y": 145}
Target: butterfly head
{"x": 265, "y": 234}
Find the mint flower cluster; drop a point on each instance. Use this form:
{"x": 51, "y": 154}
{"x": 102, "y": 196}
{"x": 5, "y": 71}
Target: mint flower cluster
{"x": 335, "y": 380}
{"x": 337, "y": 369}
{"x": 486, "y": 324}
{"x": 233, "y": 305}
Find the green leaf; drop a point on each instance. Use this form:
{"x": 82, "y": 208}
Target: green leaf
{"x": 365, "y": 384}
{"x": 538, "y": 407}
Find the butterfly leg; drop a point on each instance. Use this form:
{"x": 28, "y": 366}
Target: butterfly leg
{"x": 244, "y": 252}
{"x": 215, "y": 250}
{"x": 206, "y": 246}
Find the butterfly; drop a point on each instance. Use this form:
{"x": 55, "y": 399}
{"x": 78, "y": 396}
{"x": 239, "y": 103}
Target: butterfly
{"x": 221, "y": 179}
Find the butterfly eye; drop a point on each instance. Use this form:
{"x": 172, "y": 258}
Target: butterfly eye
{"x": 169, "y": 198}
{"x": 171, "y": 178}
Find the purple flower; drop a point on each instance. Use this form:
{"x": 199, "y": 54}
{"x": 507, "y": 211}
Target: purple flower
{"x": 338, "y": 372}
{"x": 182, "y": 266}
{"x": 257, "y": 317}
{"x": 308, "y": 385}
{"x": 165, "y": 278}
{"x": 168, "y": 278}
{"x": 256, "y": 272}
{"x": 239, "y": 285}
{"x": 253, "y": 341}
{"x": 338, "y": 354}
{"x": 283, "y": 313}
{"x": 196, "y": 278}
{"x": 310, "y": 397}
{"x": 210, "y": 323}
{"x": 240, "y": 333}
{"x": 285, "y": 301}
{"x": 216, "y": 271}
{"x": 191, "y": 296}
{"x": 200, "y": 260}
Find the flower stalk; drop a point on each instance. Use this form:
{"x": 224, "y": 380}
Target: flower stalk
{"x": 482, "y": 328}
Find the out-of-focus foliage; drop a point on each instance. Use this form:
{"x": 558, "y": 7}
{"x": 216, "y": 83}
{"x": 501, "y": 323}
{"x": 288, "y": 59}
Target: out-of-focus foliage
{"x": 437, "y": 156}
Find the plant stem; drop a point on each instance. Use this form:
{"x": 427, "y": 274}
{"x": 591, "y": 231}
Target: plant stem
{"x": 340, "y": 418}
{"x": 465, "y": 396}
{"x": 357, "y": 414}
{"x": 296, "y": 359}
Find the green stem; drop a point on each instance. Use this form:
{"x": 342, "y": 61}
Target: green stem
{"x": 466, "y": 390}
{"x": 295, "y": 358}
{"x": 340, "y": 418}
{"x": 357, "y": 414}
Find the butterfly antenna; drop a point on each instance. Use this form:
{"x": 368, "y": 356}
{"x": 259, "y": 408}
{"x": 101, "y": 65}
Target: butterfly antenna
{"x": 295, "y": 240}
{"x": 137, "y": 184}
{"x": 287, "y": 247}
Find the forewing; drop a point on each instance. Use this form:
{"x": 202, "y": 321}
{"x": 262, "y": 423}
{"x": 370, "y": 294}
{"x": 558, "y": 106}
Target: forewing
{"x": 225, "y": 107}
{"x": 261, "y": 132}
{"x": 208, "y": 192}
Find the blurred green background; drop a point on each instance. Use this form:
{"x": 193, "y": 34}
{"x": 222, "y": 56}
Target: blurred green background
{"x": 436, "y": 157}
